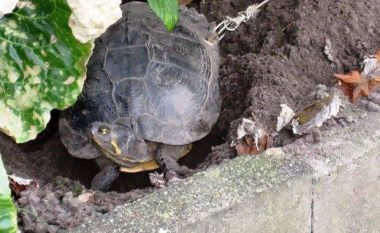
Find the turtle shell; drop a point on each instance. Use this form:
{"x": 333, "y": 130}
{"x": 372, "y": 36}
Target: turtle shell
{"x": 166, "y": 81}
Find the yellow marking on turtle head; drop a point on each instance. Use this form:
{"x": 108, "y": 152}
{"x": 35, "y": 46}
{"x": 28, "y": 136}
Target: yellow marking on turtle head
{"x": 116, "y": 147}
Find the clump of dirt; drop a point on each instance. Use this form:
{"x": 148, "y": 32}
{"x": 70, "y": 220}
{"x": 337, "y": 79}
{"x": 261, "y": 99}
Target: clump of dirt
{"x": 64, "y": 204}
{"x": 278, "y": 58}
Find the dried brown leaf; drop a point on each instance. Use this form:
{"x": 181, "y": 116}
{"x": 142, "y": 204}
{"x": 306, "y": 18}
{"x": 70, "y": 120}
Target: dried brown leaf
{"x": 247, "y": 145}
{"x": 19, "y": 184}
{"x": 354, "y": 85}
{"x": 373, "y": 83}
{"x": 316, "y": 114}
{"x": 184, "y": 2}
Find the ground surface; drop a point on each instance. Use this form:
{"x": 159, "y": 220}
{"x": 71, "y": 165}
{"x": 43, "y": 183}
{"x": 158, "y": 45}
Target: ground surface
{"x": 276, "y": 59}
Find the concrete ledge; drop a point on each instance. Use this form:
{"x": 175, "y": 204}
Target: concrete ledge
{"x": 221, "y": 188}
{"x": 333, "y": 186}
{"x": 349, "y": 200}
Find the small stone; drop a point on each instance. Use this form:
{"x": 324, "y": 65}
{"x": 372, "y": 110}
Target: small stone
{"x": 317, "y": 136}
{"x": 350, "y": 119}
{"x": 28, "y": 221}
{"x": 34, "y": 199}
{"x": 61, "y": 231}
{"x": 22, "y": 201}
{"x": 51, "y": 199}
{"x": 52, "y": 229}
{"x": 41, "y": 227}
{"x": 86, "y": 198}
{"x": 364, "y": 115}
{"x": 372, "y": 107}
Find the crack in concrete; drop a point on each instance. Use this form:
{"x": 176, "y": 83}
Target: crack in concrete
{"x": 313, "y": 182}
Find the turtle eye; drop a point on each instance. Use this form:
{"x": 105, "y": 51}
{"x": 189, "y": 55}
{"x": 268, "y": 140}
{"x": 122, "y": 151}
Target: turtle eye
{"x": 104, "y": 130}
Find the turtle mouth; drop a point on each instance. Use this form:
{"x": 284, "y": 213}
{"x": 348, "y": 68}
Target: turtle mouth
{"x": 107, "y": 140}
{"x": 118, "y": 159}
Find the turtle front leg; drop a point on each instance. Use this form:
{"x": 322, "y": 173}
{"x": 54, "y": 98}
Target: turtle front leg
{"x": 167, "y": 156}
{"x": 103, "y": 180}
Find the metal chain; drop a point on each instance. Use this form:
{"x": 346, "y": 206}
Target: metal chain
{"x": 231, "y": 24}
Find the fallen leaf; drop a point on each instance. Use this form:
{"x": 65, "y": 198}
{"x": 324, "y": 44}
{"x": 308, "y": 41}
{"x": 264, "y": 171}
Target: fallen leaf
{"x": 248, "y": 146}
{"x": 286, "y": 115}
{"x": 184, "y": 2}
{"x": 247, "y": 127}
{"x": 355, "y": 85}
{"x": 251, "y": 138}
{"x": 316, "y": 114}
{"x": 19, "y": 184}
{"x": 327, "y": 50}
{"x": 373, "y": 83}
{"x": 371, "y": 66}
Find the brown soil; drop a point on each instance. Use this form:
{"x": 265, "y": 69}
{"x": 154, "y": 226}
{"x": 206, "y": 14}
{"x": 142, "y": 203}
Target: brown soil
{"x": 276, "y": 59}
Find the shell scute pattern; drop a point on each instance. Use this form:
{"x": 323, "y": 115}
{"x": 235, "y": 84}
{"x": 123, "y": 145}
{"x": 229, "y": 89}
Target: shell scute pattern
{"x": 133, "y": 11}
{"x": 149, "y": 125}
{"x": 127, "y": 62}
{"x": 137, "y": 33}
{"x": 178, "y": 51}
{"x": 124, "y": 34}
{"x": 173, "y": 93}
{"x": 166, "y": 81}
{"x": 130, "y": 97}
{"x": 115, "y": 36}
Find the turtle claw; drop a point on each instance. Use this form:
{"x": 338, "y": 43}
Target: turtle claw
{"x": 157, "y": 180}
{"x": 184, "y": 171}
{"x": 160, "y": 181}
{"x": 170, "y": 177}
{"x": 178, "y": 174}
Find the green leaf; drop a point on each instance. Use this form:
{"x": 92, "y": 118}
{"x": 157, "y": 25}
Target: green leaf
{"x": 8, "y": 216}
{"x": 167, "y": 10}
{"x": 42, "y": 66}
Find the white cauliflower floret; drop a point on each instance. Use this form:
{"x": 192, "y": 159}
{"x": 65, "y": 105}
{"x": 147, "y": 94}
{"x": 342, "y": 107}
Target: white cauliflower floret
{"x": 90, "y": 18}
{"x": 7, "y": 6}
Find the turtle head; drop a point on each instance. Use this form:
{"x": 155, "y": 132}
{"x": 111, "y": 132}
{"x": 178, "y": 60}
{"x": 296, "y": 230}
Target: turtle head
{"x": 119, "y": 143}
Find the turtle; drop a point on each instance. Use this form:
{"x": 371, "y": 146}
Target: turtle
{"x": 148, "y": 95}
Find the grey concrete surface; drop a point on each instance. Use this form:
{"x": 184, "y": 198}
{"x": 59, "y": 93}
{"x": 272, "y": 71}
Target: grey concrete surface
{"x": 183, "y": 207}
{"x": 349, "y": 200}
{"x": 332, "y": 186}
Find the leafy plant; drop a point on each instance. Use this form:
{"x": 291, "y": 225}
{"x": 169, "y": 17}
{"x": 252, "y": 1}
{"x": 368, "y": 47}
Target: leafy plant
{"x": 8, "y": 217}
{"x": 167, "y": 10}
{"x": 42, "y": 66}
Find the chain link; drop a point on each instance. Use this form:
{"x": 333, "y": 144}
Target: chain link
{"x": 231, "y": 24}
